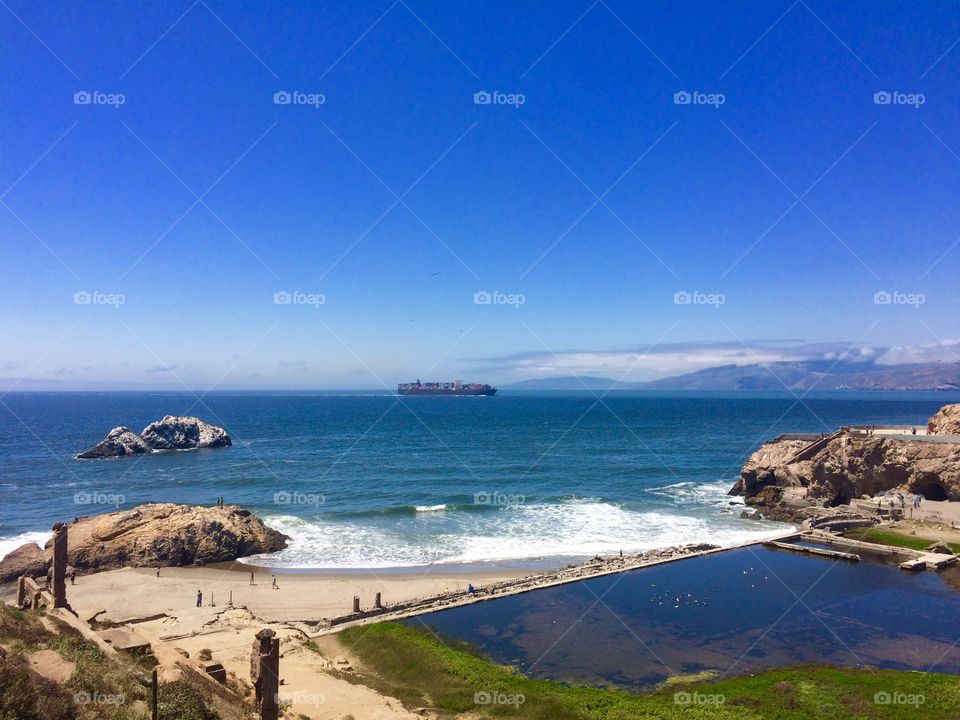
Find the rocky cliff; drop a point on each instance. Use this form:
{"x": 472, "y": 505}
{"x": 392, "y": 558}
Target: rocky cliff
{"x": 946, "y": 421}
{"x": 171, "y": 433}
{"x": 167, "y": 534}
{"x": 782, "y": 480}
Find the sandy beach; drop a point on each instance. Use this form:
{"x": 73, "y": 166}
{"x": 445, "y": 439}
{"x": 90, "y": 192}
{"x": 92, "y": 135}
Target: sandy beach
{"x": 163, "y": 611}
{"x": 131, "y": 594}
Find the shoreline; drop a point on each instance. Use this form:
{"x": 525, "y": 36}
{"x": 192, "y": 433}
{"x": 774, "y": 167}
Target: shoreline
{"x": 319, "y": 602}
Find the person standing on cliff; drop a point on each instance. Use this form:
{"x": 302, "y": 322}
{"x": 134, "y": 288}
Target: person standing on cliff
{"x": 199, "y": 599}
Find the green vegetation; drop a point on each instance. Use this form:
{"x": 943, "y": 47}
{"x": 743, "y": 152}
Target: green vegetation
{"x": 890, "y": 537}
{"x": 420, "y": 670}
{"x": 101, "y": 687}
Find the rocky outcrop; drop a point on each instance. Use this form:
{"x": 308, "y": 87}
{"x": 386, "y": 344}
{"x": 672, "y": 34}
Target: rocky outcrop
{"x": 785, "y": 476}
{"x": 184, "y": 433}
{"x": 25, "y": 560}
{"x": 119, "y": 442}
{"x": 172, "y": 433}
{"x": 167, "y": 534}
{"x": 945, "y": 422}
{"x": 939, "y": 548}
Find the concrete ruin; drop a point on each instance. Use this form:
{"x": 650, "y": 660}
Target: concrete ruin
{"x": 59, "y": 566}
{"x": 265, "y": 674}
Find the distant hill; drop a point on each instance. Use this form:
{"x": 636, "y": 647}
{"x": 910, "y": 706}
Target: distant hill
{"x": 801, "y": 375}
{"x": 569, "y": 382}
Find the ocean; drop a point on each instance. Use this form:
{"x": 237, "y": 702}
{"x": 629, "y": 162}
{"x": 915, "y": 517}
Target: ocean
{"x": 367, "y": 480}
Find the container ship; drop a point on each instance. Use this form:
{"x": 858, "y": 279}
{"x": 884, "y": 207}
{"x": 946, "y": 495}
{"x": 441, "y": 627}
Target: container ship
{"x": 445, "y": 388}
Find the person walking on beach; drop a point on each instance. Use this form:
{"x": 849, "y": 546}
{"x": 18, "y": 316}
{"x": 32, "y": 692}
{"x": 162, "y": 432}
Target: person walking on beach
{"x": 158, "y": 571}
{"x": 251, "y": 578}
{"x": 199, "y": 599}
{"x": 73, "y": 577}
{"x": 274, "y": 583}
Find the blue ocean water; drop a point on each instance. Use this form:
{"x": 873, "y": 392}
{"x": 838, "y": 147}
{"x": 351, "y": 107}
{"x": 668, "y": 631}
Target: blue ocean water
{"x": 363, "y": 480}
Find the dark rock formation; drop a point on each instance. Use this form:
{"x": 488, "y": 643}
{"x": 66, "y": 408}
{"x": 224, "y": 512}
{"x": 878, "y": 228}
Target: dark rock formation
{"x": 118, "y": 442}
{"x": 167, "y": 534}
{"x": 25, "y": 560}
{"x": 171, "y": 433}
{"x": 939, "y": 548}
{"x": 184, "y": 433}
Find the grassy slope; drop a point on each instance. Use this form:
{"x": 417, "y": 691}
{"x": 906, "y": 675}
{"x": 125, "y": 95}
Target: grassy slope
{"x": 415, "y": 667}
{"x": 890, "y": 537}
{"x": 25, "y": 696}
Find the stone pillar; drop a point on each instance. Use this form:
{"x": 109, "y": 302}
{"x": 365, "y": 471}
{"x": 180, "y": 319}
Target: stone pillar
{"x": 59, "y": 566}
{"x": 265, "y": 673}
{"x": 356, "y": 603}
{"x": 154, "y": 700}
{"x": 377, "y": 602}
{"x": 22, "y": 592}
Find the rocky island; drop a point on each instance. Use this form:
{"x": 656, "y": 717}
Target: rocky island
{"x": 789, "y": 477}
{"x": 172, "y": 433}
{"x": 149, "y": 535}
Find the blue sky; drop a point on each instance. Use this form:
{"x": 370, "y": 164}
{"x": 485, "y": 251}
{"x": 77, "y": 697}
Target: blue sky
{"x": 146, "y": 244}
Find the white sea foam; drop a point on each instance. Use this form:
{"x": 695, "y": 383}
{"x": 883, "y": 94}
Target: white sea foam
{"x": 430, "y": 508}
{"x": 711, "y": 493}
{"x": 573, "y": 528}
{"x": 9, "y": 543}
